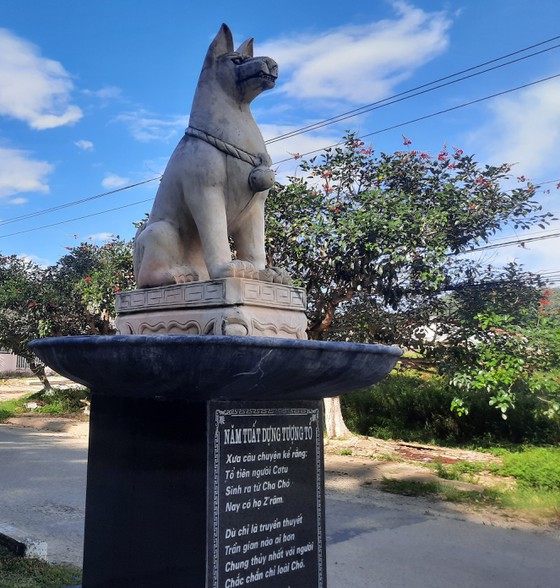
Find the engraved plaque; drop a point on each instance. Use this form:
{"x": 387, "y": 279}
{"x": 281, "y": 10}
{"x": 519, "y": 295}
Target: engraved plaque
{"x": 265, "y": 495}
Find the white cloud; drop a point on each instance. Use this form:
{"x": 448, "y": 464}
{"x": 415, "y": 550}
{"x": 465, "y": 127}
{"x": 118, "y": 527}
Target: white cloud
{"x": 18, "y": 201}
{"x": 359, "y": 63}
{"x": 145, "y": 126}
{"x": 33, "y": 89}
{"x": 101, "y": 237}
{"x": 105, "y": 93}
{"x": 19, "y": 173}
{"x": 525, "y": 129}
{"x": 112, "y": 181}
{"x": 84, "y": 144}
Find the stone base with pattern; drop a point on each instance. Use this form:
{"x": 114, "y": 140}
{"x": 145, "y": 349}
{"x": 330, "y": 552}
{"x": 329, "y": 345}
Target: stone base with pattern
{"x": 228, "y": 306}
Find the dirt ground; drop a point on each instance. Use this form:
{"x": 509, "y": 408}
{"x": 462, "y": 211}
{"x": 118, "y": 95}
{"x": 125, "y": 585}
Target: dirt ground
{"x": 354, "y": 467}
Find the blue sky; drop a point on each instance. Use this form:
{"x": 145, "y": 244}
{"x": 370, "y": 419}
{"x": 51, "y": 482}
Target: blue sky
{"x": 95, "y": 95}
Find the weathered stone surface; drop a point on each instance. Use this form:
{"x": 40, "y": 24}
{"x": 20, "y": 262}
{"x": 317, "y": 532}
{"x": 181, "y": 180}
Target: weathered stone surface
{"x": 216, "y": 181}
{"x": 230, "y": 306}
{"x": 204, "y": 368}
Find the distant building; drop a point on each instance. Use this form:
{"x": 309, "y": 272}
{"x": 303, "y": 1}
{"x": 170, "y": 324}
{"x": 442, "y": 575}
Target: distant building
{"x": 11, "y": 364}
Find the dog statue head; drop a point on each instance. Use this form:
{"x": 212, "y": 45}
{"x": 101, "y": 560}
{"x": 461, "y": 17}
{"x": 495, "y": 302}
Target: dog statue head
{"x": 237, "y": 72}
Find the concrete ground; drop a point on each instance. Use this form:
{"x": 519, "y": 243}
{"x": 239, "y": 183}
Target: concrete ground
{"x": 373, "y": 539}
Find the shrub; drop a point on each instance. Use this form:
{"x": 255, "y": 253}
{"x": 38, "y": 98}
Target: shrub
{"x": 411, "y": 407}
{"x": 537, "y": 468}
{"x": 61, "y": 401}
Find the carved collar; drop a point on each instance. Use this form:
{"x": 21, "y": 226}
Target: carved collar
{"x": 224, "y": 147}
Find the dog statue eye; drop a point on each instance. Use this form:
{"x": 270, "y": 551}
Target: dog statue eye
{"x": 238, "y": 59}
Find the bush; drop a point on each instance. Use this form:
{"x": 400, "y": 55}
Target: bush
{"x": 60, "y": 400}
{"x": 63, "y": 401}
{"x": 537, "y": 468}
{"x": 411, "y": 407}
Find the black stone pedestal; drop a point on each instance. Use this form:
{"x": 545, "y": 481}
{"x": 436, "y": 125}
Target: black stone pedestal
{"x": 160, "y": 507}
{"x": 146, "y": 494}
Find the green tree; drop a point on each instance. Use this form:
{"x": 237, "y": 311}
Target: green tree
{"x": 24, "y": 306}
{"x": 376, "y": 239}
{"x": 74, "y": 297}
{"x": 502, "y": 338}
{"x": 92, "y": 275}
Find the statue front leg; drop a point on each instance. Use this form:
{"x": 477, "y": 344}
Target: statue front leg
{"x": 211, "y": 222}
{"x": 249, "y": 242}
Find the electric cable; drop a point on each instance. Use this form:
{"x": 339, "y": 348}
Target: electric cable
{"x": 73, "y": 203}
{"x": 343, "y": 116}
{"x": 75, "y": 219}
{"x": 427, "y": 116}
{"x": 407, "y": 94}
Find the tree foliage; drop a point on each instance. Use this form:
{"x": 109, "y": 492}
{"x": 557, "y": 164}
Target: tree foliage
{"x": 380, "y": 243}
{"x": 73, "y": 297}
{"x": 386, "y": 230}
{"x": 502, "y": 341}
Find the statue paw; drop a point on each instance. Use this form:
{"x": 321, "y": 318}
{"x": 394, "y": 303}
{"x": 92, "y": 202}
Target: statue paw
{"x": 276, "y": 275}
{"x": 183, "y": 274}
{"x": 236, "y": 269}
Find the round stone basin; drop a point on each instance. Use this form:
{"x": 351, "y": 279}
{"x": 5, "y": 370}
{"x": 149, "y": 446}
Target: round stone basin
{"x": 200, "y": 368}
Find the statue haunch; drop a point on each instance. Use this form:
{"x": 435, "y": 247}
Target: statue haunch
{"x": 216, "y": 181}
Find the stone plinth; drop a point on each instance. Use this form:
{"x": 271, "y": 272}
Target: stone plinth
{"x": 195, "y": 439}
{"x": 229, "y": 306}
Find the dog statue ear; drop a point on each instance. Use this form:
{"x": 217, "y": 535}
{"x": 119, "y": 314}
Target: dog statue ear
{"x": 222, "y": 44}
{"x": 246, "y": 48}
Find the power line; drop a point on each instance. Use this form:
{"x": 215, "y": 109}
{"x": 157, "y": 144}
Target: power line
{"x": 83, "y": 200}
{"x": 76, "y": 219}
{"x": 433, "y": 114}
{"x": 73, "y": 203}
{"x": 518, "y": 241}
{"x": 407, "y": 94}
{"x": 366, "y": 108}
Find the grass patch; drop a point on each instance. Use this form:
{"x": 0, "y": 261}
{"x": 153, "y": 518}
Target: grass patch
{"x": 345, "y": 452}
{"x": 537, "y": 468}
{"x": 19, "y": 572}
{"x": 530, "y": 500}
{"x": 488, "y": 497}
{"x": 58, "y": 401}
{"x": 387, "y": 457}
{"x": 9, "y": 408}
{"x": 537, "y": 482}
{"x": 461, "y": 469}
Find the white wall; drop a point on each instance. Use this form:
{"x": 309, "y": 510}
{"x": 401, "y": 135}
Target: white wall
{"x": 9, "y": 363}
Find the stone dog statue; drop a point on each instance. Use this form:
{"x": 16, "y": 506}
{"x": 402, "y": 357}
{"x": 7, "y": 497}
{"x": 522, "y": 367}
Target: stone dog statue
{"x": 216, "y": 181}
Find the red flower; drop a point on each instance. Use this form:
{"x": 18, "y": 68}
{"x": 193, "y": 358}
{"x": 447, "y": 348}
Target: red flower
{"x": 87, "y": 279}
{"x": 32, "y": 304}
{"x": 406, "y": 141}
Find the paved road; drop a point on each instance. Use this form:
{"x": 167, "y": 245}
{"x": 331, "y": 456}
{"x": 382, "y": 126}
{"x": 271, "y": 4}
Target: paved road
{"x": 387, "y": 543}
{"x": 42, "y": 488}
